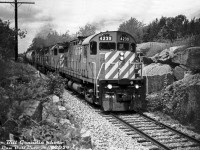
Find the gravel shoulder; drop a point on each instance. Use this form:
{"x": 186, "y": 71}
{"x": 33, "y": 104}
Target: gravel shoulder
{"x": 104, "y": 135}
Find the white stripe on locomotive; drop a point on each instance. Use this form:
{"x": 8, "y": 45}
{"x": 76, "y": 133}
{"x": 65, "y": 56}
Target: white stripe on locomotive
{"x": 111, "y": 59}
{"x": 126, "y": 65}
{"x": 62, "y": 60}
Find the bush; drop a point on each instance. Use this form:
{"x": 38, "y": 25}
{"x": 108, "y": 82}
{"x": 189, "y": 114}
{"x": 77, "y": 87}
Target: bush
{"x": 155, "y": 102}
{"x": 21, "y": 84}
{"x": 56, "y": 84}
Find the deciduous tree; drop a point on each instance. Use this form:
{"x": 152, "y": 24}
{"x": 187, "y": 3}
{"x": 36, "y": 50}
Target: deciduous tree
{"x": 133, "y": 27}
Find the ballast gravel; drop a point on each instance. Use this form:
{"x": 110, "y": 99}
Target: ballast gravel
{"x": 104, "y": 135}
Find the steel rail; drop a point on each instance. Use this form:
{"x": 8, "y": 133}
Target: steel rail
{"x": 170, "y": 128}
{"x": 142, "y": 133}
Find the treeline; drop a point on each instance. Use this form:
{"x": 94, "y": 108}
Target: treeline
{"x": 171, "y": 28}
{"x": 165, "y": 29}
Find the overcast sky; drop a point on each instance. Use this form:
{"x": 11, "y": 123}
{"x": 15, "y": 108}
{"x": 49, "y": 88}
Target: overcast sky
{"x": 63, "y": 15}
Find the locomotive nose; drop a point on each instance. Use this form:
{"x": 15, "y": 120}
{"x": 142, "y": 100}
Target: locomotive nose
{"x": 119, "y": 64}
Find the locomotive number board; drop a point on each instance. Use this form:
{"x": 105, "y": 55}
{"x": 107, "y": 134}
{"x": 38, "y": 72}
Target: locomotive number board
{"x": 105, "y": 38}
{"x": 124, "y": 38}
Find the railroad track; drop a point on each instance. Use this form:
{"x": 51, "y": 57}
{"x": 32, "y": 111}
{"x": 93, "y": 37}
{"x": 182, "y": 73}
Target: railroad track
{"x": 151, "y": 133}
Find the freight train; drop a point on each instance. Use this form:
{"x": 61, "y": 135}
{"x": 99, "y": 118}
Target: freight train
{"x": 103, "y": 67}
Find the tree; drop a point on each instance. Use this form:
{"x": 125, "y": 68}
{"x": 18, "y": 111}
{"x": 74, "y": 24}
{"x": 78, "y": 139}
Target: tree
{"x": 133, "y": 27}
{"x": 87, "y": 30}
{"x": 178, "y": 22}
{"x": 7, "y": 40}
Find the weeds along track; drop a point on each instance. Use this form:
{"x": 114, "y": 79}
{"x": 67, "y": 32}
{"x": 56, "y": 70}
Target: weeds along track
{"x": 151, "y": 133}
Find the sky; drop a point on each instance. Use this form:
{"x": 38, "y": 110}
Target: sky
{"x": 70, "y": 15}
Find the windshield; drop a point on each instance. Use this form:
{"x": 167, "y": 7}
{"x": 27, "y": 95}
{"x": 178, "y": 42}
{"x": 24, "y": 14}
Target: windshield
{"x": 123, "y": 46}
{"x": 107, "y": 46}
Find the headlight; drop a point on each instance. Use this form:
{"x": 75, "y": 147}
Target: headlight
{"x": 137, "y": 86}
{"x": 121, "y": 58}
{"x": 109, "y": 86}
{"x": 121, "y": 54}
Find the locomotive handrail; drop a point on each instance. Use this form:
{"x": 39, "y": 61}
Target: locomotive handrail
{"x": 94, "y": 76}
{"x": 98, "y": 75}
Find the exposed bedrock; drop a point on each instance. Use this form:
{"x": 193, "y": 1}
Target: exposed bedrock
{"x": 181, "y": 100}
{"x": 189, "y": 57}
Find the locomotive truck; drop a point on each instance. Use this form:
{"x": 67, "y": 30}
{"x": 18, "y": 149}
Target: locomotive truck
{"x": 103, "y": 67}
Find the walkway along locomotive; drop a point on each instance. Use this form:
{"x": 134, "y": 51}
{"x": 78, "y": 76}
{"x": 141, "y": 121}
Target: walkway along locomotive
{"x": 104, "y": 67}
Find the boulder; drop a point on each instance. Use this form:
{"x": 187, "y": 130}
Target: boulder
{"x": 181, "y": 100}
{"x": 165, "y": 56}
{"x": 149, "y": 49}
{"x": 55, "y": 98}
{"x": 33, "y": 109}
{"x": 188, "y": 57}
{"x": 179, "y": 72}
{"x": 158, "y": 76}
{"x": 171, "y": 51}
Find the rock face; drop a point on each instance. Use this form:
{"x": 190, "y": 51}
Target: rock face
{"x": 188, "y": 57}
{"x": 179, "y": 72}
{"x": 157, "y": 76}
{"x": 181, "y": 100}
{"x": 181, "y": 60}
{"x": 151, "y": 48}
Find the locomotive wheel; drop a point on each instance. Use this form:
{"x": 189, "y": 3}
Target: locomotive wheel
{"x": 88, "y": 96}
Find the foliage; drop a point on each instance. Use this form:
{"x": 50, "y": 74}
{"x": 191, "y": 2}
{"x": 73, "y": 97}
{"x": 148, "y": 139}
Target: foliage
{"x": 134, "y": 27}
{"x": 20, "y": 84}
{"x": 87, "y": 30}
{"x": 56, "y": 84}
{"x": 155, "y": 102}
{"x": 7, "y": 39}
{"x": 171, "y": 28}
{"x": 17, "y": 89}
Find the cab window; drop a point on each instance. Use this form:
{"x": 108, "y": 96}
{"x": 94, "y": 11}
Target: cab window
{"x": 133, "y": 47}
{"x": 55, "y": 51}
{"x": 61, "y": 50}
{"x": 107, "y": 46}
{"x": 93, "y": 48}
{"x": 123, "y": 46}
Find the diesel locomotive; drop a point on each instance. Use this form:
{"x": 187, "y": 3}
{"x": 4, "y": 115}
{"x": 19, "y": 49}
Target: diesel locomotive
{"x": 103, "y": 67}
